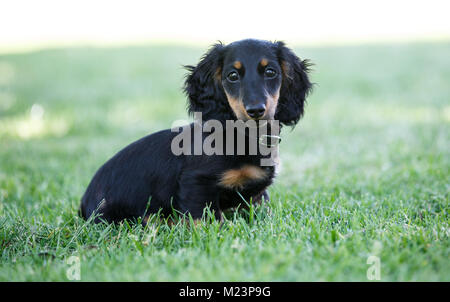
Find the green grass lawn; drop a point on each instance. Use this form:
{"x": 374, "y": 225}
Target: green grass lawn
{"x": 365, "y": 173}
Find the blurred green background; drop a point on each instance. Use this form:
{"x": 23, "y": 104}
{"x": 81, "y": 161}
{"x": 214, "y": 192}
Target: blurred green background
{"x": 365, "y": 172}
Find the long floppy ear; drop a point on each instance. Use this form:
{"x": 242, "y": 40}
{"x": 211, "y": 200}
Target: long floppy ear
{"x": 203, "y": 85}
{"x": 295, "y": 86}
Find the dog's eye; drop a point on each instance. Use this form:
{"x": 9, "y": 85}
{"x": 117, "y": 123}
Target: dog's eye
{"x": 270, "y": 73}
{"x": 233, "y": 76}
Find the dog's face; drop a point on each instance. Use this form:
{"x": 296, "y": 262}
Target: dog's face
{"x": 249, "y": 79}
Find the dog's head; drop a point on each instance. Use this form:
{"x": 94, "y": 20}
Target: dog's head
{"x": 249, "y": 79}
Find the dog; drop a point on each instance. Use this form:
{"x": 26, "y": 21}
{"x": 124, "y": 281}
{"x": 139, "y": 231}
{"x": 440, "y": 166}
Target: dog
{"x": 247, "y": 80}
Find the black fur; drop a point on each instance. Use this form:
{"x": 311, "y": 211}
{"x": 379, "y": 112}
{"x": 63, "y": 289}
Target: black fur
{"x": 146, "y": 177}
{"x": 295, "y": 87}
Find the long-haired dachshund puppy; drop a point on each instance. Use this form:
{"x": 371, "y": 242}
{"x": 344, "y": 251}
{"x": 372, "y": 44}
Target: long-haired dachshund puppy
{"x": 248, "y": 80}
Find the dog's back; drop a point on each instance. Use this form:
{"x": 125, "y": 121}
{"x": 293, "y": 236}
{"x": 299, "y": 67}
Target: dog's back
{"x": 122, "y": 187}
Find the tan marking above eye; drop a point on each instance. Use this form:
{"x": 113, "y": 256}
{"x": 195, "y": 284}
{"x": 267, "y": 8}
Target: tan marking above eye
{"x": 237, "y": 178}
{"x": 264, "y": 62}
{"x": 237, "y": 65}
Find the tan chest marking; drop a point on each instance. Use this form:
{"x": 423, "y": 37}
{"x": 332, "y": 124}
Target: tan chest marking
{"x": 237, "y": 178}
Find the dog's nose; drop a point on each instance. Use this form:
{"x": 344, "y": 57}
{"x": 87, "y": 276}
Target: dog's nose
{"x": 256, "y": 111}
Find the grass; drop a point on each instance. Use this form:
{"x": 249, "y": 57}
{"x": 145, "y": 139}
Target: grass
{"x": 365, "y": 173}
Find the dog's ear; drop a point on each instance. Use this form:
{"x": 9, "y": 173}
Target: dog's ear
{"x": 203, "y": 85}
{"x": 295, "y": 86}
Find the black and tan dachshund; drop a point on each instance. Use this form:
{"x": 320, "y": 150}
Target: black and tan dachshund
{"x": 245, "y": 80}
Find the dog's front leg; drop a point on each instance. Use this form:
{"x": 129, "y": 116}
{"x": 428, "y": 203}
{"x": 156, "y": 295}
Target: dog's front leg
{"x": 195, "y": 195}
{"x": 262, "y": 198}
